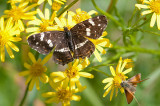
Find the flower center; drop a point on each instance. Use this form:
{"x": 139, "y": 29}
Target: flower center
{"x": 44, "y": 25}
{"x": 79, "y": 17}
{"x": 155, "y": 6}
{"x": 16, "y": 13}
{"x": 118, "y": 79}
{"x": 64, "y": 95}
{"x": 37, "y": 69}
{"x": 3, "y": 38}
{"x": 56, "y": 6}
{"x": 71, "y": 73}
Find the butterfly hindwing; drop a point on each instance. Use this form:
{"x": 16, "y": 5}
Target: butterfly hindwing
{"x": 129, "y": 96}
{"x": 82, "y": 47}
{"x": 62, "y": 54}
{"x": 91, "y": 28}
{"x": 44, "y": 42}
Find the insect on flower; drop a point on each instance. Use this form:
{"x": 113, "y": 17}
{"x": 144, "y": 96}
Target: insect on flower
{"x": 130, "y": 87}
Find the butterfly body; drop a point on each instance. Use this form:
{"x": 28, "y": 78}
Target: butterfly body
{"x": 130, "y": 87}
{"x": 69, "y": 44}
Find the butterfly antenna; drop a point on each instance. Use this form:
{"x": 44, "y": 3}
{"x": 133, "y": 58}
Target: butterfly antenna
{"x": 67, "y": 19}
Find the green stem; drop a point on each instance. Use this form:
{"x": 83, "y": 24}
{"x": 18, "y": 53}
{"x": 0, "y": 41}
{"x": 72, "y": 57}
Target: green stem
{"x": 100, "y": 72}
{"x": 137, "y": 49}
{"x": 44, "y": 5}
{"x": 36, "y": 55}
{"x": 111, "y": 6}
{"x": 108, "y": 15}
{"x": 133, "y": 15}
{"x": 25, "y": 95}
{"x": 66, "y": 8}
{"x": 142, "y": 30}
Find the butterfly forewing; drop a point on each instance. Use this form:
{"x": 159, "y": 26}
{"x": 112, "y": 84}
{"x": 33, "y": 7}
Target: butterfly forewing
{"x": 83, "y": 47}
{"x": 91, "y": 28}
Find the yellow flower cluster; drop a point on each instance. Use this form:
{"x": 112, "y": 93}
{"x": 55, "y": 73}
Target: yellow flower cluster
{"x": 26, "y": 15}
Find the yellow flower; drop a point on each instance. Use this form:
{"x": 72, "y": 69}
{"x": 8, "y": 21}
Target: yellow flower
{"x": 14, "y": 1}
{"x": 19, "y": 13}
{"x": 57, "y": 4}
{"x": 153, "y": 6}
{"x": 118, "y": 76}
{"x": 36, "y": 71}
{"x": 80, "y": 15}
{"x": 41, "y": 1}
{"x": 99, "y": 43}
{"x": 63, "y": 22}
{"x": 7, "y": 36}
{"x": 62, "y": 94}
{"x": 43, "y": 24}
{"x": 33, "y": 1}
{"x": 73, "y": 73}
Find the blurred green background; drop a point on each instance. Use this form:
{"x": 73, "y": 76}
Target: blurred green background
{"x": 12, "y": 86}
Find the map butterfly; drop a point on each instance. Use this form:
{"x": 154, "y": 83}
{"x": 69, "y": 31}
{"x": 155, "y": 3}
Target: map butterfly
{"x": 70, "y": 44}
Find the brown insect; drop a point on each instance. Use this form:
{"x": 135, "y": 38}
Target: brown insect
{"x": 130, "y": 87}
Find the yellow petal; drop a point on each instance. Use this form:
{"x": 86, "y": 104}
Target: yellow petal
{"x": 28, "y": 79}
{"x": 13, "y": 46}
{"x": 92, "y": 12}
{"x": 37, "y": 83}
{"x": 58, "y": 22}
{"x": 101, "y": 49}
{"x": 45, "y": 60}
{"x": 86, "y": 75}
{"x": 9, "y": 24}
{"x": 146, "y": 12}
{"x": 158, "y": 21}
{"x": 44, "y": 78}
{"x": 40, "y": 1}
{"x": 75, "y": 98}
{"x": 2, "y": 54}
{"x": 2, "y": 23}
{"x": 127, "y": 71}
{"x": 33, "y": 29}
{"x": 153, "y": 20}
{"x": 50, "y": 2}
{"x": 21, "y": 26}
{"x": 40, "y": 14}
{"x": 53, "y": 99}
{"x": 112, "y": 71}
{"x": 106, "y": 80}
{"x": 139, "y": 6}
{"x": 24, "y": 73}
{"x": 107, "y": 91}
{"x": 31, "y": 85}
{"x": 111, "y": 95}
{"x": 97, "y": 55}
{"x": 29, "y": 7}
{"x": 49, "y": 94}
{"x": 108, "y": 85}
{"x": 31, "y": 56}
{"x": 26, "y": 65}
{"x": 34, "y": 22}
{"x": 9, "y": 51}
{"x": 46, "y": 14}
{"x": 57, "y": 74}
{"x": 15, "y": 39}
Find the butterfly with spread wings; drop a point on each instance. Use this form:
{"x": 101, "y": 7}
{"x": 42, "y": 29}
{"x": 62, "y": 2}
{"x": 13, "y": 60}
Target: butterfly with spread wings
{"x": 69, "y": 44}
